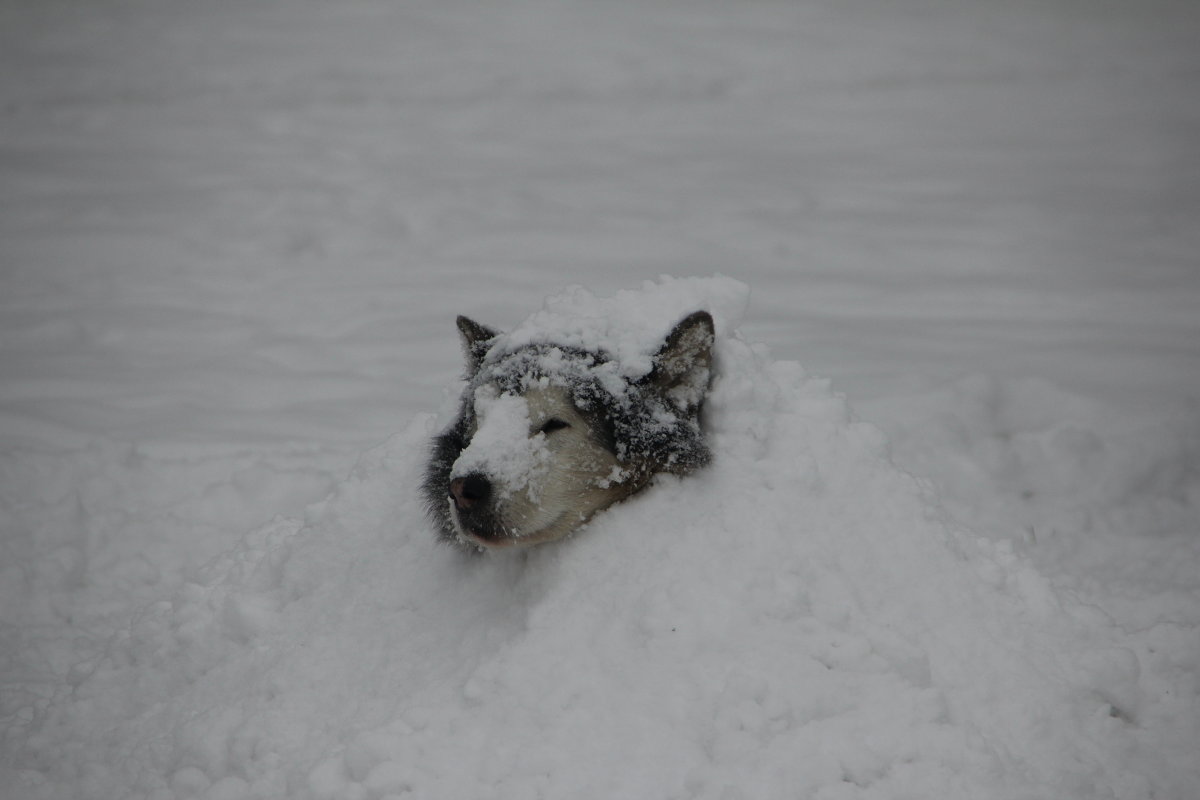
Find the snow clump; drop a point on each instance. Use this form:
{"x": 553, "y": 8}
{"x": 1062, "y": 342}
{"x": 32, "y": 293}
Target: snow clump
{"x": 502, "y": 446}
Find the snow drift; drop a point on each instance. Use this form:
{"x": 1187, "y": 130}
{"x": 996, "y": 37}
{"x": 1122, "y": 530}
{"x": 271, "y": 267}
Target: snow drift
{"x": 798, "y": 620}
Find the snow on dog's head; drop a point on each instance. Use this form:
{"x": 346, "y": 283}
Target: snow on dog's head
{"x": 501, "y": 446}
{"x": 575, "y": 409}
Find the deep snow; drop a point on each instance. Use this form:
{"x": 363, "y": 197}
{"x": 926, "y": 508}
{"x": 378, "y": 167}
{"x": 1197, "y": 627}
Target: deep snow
{"x": 233, "y": 241}
{"x": 798, "y": 620}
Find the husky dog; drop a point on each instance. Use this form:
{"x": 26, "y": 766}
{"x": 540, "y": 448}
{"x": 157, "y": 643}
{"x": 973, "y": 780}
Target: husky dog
{"x": 547, "y": 435}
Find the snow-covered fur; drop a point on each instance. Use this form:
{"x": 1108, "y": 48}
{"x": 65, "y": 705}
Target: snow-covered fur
{"x": 547, "y": 435}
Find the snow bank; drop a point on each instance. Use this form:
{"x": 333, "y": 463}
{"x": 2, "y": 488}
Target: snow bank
{"x": 800, "y": 619}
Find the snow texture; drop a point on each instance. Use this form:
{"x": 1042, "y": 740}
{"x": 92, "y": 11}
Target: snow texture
{"x": 233, "y": 241}
{"x": 628, "y": 328}
{"x": 502, "y": 446}
{"x": 800, "y": 618}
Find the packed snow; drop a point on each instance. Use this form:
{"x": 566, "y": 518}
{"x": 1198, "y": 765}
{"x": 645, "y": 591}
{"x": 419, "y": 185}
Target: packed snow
{"x": 949, "y": 541}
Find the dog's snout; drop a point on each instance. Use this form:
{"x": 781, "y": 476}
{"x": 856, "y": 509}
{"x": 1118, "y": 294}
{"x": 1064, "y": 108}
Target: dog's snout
{"x": 470, "y": 491}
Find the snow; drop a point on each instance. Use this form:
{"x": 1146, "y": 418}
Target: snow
{"x": 757, "y": 626}
{"x": 628, "y": 327}
{"x": 962, "y": 563}
{"x": 501, "y": 445}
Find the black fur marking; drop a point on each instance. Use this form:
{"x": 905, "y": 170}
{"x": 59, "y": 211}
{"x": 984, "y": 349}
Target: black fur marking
{"x": 445, "y": 450}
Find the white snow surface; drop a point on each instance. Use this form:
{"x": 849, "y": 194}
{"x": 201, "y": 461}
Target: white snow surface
{"x": 501, "y": 446}
{"x": 964, "y": 563}
{"x": 631, "y": 326}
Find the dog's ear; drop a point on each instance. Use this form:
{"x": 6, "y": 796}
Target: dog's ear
{"x": 683, "y": 366}
{"x": 475, "y": 339}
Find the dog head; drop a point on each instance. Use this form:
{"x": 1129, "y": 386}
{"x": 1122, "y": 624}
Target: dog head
{"x": 548, "y": 435}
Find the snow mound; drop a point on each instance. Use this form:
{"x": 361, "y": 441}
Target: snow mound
{"x": 800, "y": 619}
{"x": 629, "y": 327}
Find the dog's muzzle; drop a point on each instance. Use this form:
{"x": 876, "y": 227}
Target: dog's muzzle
{"x": 469, "y": 497}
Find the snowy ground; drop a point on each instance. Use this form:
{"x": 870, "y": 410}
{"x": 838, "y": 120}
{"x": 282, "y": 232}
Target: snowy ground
{"x": 233, "y": 238}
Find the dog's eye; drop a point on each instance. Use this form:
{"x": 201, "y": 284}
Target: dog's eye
{"x": 553, "y": 424}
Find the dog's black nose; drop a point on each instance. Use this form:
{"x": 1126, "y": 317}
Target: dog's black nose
{"x": 470, "y": 491}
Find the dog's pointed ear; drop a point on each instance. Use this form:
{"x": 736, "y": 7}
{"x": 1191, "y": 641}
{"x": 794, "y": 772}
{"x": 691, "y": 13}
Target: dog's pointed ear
{"x": 475, "y": 340}
{"x": 683, "y": 366}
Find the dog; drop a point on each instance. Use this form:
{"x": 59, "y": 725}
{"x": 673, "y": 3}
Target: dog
{"x": 547, "y": 435}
